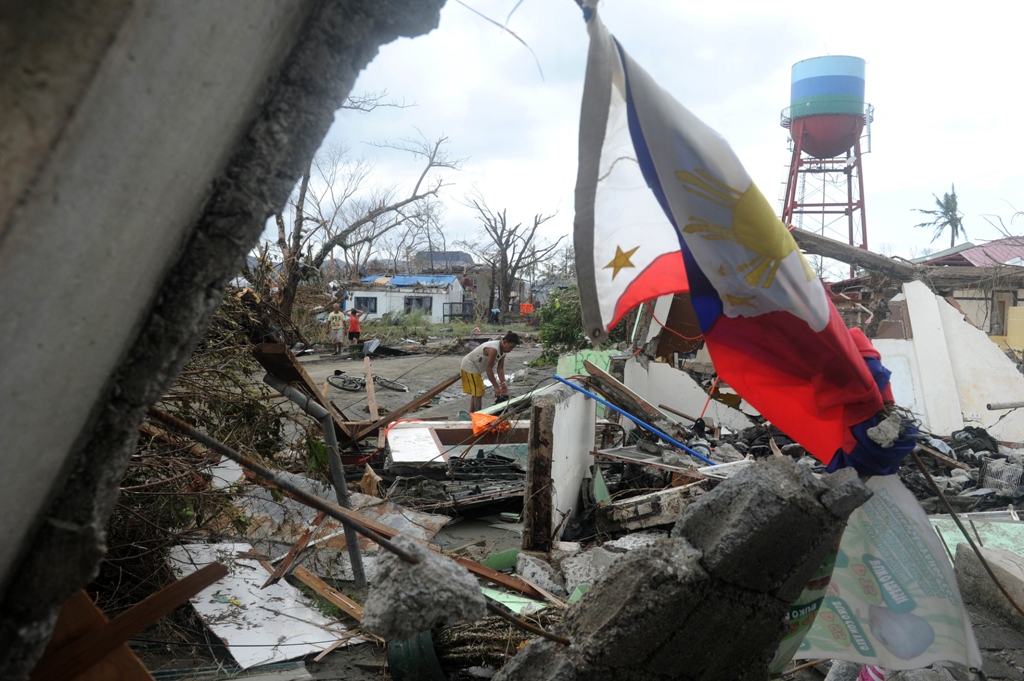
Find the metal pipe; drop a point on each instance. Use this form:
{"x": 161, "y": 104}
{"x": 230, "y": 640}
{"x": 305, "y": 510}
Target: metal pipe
{"x": 343, "y": 515}
{"x": 637, "y": 421}
{"x": 993, "y": 406}
{"x": 310, "y": 406}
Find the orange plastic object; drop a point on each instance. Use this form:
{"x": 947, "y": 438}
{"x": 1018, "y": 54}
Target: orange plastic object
{"x": 483, "y": 423}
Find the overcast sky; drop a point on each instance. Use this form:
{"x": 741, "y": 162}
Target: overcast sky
{"x": 943, "y": 77}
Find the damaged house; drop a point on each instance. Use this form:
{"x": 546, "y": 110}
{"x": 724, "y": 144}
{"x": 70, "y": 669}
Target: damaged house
{"x": 438, "y": 297}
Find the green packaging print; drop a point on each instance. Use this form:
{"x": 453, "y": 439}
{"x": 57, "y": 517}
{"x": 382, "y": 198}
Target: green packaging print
{"x": 896, "y": 597}
{"x": 847, "y": 619}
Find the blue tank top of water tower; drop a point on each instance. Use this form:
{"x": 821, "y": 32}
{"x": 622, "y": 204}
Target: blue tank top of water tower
{"x": 827, "y": 85}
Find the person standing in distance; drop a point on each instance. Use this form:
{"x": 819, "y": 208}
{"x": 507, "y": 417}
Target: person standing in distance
{"x": 354, "y": 330}
{"x": 485, "y": 359}
{"x": 336, "y": 328}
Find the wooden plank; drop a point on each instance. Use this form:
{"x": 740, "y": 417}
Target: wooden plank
{"x": 84, "y": 652}
{"x": 390, "y": 532}
{"x": 538, "y": 505}
{"x": 628, "y": 400}
{"x": 676, "y": 412}
{"x": 554, "y": 600}
{"x": 329, "y": 593}
{"x": 943, "y": 458}
{"x": 295, "y": 550}
{"x": 277, "y": 359}
{"x": 495, "y": 577}
{"x": 371, "y": 395}
{"x": 80, "y": 616}
{"x": 406, "y": 408}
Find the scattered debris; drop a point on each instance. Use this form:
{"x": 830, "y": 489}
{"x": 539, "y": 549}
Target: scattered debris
{"x": 241, "y": 613}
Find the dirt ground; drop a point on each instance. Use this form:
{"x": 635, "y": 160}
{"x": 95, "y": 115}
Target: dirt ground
{"x": 420, "y": 373}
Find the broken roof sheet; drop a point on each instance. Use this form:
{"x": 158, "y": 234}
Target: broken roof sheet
{"x": 1008, "y": 251}
{"x": 258, "y": 626}
{"x": 285, "y": 520}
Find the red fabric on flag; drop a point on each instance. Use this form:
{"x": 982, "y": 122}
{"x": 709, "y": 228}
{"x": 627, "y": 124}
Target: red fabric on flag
{"x": 802, "y": 381}
{"x": 665, "y": 276}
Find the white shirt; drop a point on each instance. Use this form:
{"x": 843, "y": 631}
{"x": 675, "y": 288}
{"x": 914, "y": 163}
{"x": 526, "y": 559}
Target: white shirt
{"x": 476, "y": 361}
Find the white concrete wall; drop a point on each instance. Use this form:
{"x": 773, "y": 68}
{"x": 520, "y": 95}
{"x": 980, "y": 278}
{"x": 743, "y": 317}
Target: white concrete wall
{"x": 983, "y": 374}
{"x": 899, "y": 357}
{"x": 571, "y": 447}
{"x": 662, "y": 384}
{"x": 938, "y": 385}
{"x": 393, "y": 300}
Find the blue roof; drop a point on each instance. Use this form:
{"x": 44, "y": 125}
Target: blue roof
{"x": 415, "y": 279}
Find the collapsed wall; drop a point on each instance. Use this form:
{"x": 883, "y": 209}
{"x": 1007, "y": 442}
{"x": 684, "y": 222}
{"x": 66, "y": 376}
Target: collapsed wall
{"x": 708, "y": 602}
{"x": 149, "y": 143}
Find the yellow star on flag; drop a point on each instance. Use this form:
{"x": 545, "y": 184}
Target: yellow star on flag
{"x": 621, "y": 260}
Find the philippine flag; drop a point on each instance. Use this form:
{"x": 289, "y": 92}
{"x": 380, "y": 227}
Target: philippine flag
{"x": 664, "y": 206}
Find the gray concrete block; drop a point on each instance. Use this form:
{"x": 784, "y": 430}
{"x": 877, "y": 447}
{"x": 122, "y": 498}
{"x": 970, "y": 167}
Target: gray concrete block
{"x": 976, "y": 586}
{"x": 660, "y": 610}
{"x": 744, "y": 516}
{"x": 540, "y": 573}
{"x": 408, "y": 599}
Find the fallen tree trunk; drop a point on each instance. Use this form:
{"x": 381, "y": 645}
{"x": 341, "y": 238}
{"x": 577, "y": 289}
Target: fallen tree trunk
{"x": 941, "y": 277}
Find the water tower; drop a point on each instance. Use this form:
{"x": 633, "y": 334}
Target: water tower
{"x": 827, "y": 118}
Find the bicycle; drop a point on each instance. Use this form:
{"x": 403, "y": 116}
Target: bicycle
{"x": 354, "y": 384}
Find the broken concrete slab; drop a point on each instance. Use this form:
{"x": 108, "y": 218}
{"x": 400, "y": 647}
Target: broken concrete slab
{"x": 647, "y": 510}
{"x": 537, "y": 571}
{"x": 949, "y": 370}
{"x": 408, "y": 599}
{"x": 978, "y": 588}
{"x": 750, "y": 543}
{"x": 634, "y": 540}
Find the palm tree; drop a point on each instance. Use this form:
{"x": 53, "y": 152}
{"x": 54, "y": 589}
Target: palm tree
{"x": 946, "y": 215}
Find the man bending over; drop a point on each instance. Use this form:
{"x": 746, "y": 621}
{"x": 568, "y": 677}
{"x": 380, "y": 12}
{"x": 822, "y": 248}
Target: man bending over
{"x": 484, "y": 359}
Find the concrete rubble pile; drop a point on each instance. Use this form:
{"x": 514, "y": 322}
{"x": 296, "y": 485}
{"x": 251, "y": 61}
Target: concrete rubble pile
{"x": 735, "y": 560}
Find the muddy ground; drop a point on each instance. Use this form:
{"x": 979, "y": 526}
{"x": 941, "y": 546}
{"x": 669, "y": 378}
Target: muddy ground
{"x": 420, "y": 372}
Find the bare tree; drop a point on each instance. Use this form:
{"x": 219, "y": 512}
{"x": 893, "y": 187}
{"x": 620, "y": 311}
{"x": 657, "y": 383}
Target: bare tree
{"x": 332, "y": 208}
{"x": 510, "y": 250}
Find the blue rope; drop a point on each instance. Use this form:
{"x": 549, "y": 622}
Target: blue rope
{"x": 637, "y": 421}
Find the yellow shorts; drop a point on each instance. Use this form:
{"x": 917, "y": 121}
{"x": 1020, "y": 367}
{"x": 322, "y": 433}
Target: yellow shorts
{"x": 473, "y": 384}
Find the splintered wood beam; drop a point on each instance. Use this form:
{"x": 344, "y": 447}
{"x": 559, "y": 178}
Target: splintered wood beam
{"x": 329, "y": 593}
{"x": 79, "y": 616}
{"x": 78, "y": 655}
{"x": 851, "y": 255}
{"x": 371, "y": 395}
{"x": 623, "y": 397}
{"x": 406, "y": 408}
{"x": 295, "y": 550}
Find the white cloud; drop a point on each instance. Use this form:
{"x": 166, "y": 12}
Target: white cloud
{"x": 942, "y": 77}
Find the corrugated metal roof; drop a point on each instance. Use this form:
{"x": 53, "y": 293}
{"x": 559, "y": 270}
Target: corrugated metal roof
{"x": 943, "y": 254}
{"x": 998, "y": 252}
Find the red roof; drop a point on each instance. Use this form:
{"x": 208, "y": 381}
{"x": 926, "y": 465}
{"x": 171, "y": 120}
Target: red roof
{"x": 999, "y": 252}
